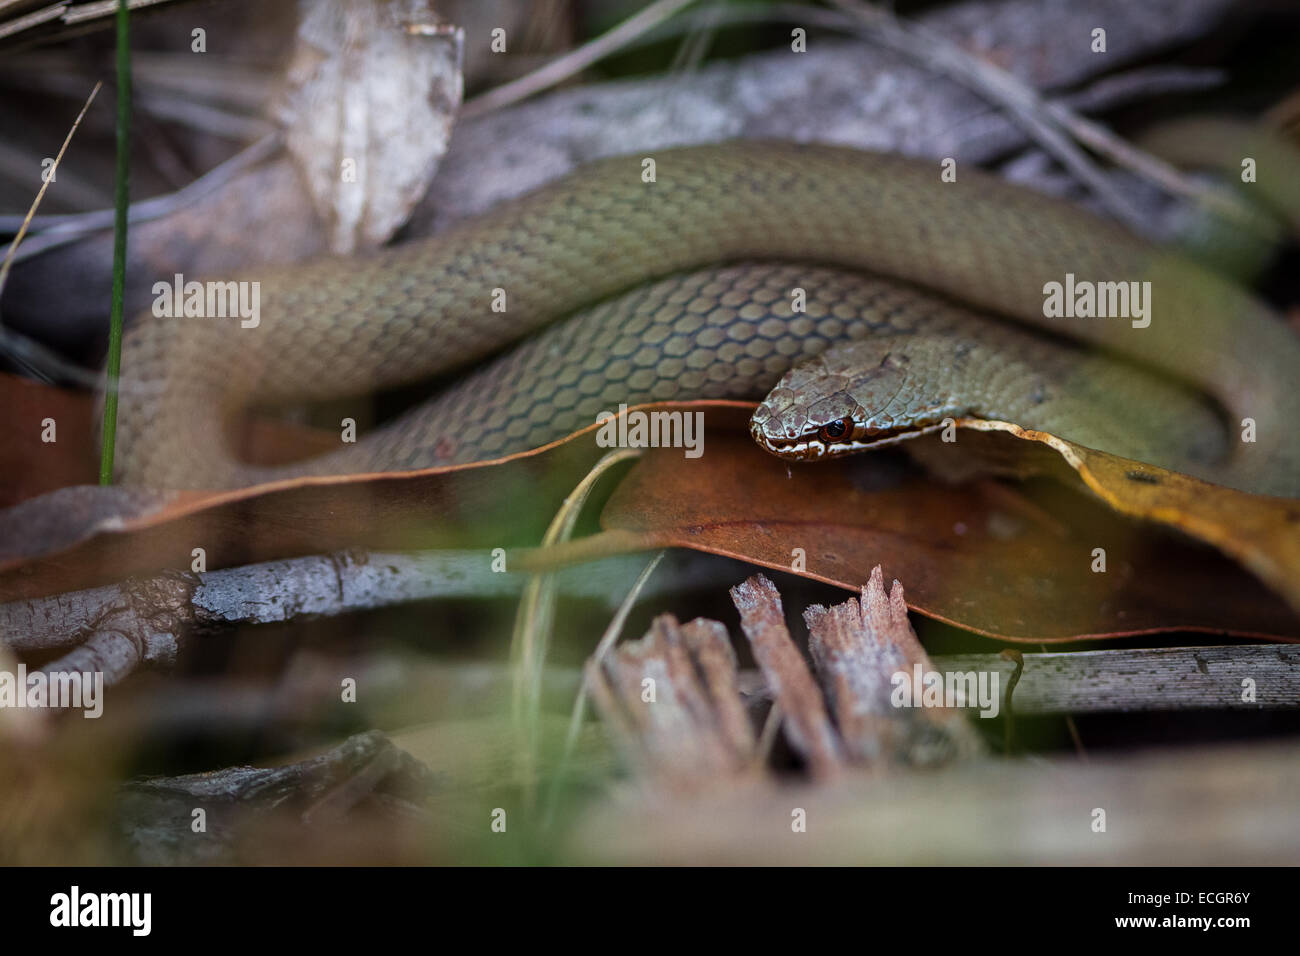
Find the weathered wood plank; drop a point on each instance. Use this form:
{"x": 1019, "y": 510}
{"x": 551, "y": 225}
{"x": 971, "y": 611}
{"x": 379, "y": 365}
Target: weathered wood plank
{"x": 1211, "y": 806}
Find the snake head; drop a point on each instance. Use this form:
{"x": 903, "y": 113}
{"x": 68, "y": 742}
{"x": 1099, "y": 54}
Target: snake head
{"x": 832, "y": 405}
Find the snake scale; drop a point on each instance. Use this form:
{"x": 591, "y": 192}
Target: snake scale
{"x": 682, "y": 287}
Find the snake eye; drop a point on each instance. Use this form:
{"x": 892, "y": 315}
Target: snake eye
{"x": 834, "y": 431}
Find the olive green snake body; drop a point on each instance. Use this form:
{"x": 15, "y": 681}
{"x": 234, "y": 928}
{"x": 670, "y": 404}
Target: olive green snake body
{"x": 684, "y": 287}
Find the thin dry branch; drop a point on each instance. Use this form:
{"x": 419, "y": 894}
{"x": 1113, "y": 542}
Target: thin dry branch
{"x": 1044, "y": 121}
{"x": 329, "y": 585}
{"x": 40, "y": 193}
{"x": 575, "y": 61}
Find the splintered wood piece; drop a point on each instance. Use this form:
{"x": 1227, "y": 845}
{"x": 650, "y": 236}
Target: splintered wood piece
{"x": 807, "y": 725}
{"x": 710, "y": 646}
{"x": 672, "y": 701}
{"x": 860, "y": 649}
{"x": 672, "y": 714}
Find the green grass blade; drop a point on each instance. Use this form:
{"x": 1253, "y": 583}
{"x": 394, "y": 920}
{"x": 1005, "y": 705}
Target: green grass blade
{"x": 120, "y": 192}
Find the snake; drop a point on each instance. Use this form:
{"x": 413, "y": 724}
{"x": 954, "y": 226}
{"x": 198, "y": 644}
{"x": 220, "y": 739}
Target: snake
{"x": 860, "y": 295}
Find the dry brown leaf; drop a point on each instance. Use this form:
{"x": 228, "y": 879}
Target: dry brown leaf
{"x": 1262, "y": 533}
{"x": 972, "y": 555}
{"x": 85, "y": 536}
{"x": 30, "y": 465}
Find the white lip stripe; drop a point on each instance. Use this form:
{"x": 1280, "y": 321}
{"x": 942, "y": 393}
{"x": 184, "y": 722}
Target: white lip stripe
{"x": 815, "y": 450}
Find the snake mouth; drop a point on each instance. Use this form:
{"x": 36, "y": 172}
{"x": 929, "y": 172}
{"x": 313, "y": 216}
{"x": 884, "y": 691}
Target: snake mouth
{"x": 811, "y": 446}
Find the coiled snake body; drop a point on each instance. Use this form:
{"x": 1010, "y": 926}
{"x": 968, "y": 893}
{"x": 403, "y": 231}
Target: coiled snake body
{"x": 902, "y": 273}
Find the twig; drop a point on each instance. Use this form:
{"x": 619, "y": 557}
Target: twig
{"x": 1023, "y": 103}
{"x": 16, "y": 26}
{"x": 144, "y": 625}
{"x": 104, "y": 8}
{"x": 1125, "y": 154}
{"x": 27, "y": 353}
{"x": 1042, "y": 120}
{"x": 319, "y": 586}
{"x": 16, "y": 164}
{"x": 51, "y": 366}
{"x": 1115, "y": 89}
{"x": 575, "y": 61}
{"x": 68, "y": 228}
{"x": 1057, "y": 681}
{"x": 40, "y": 193}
